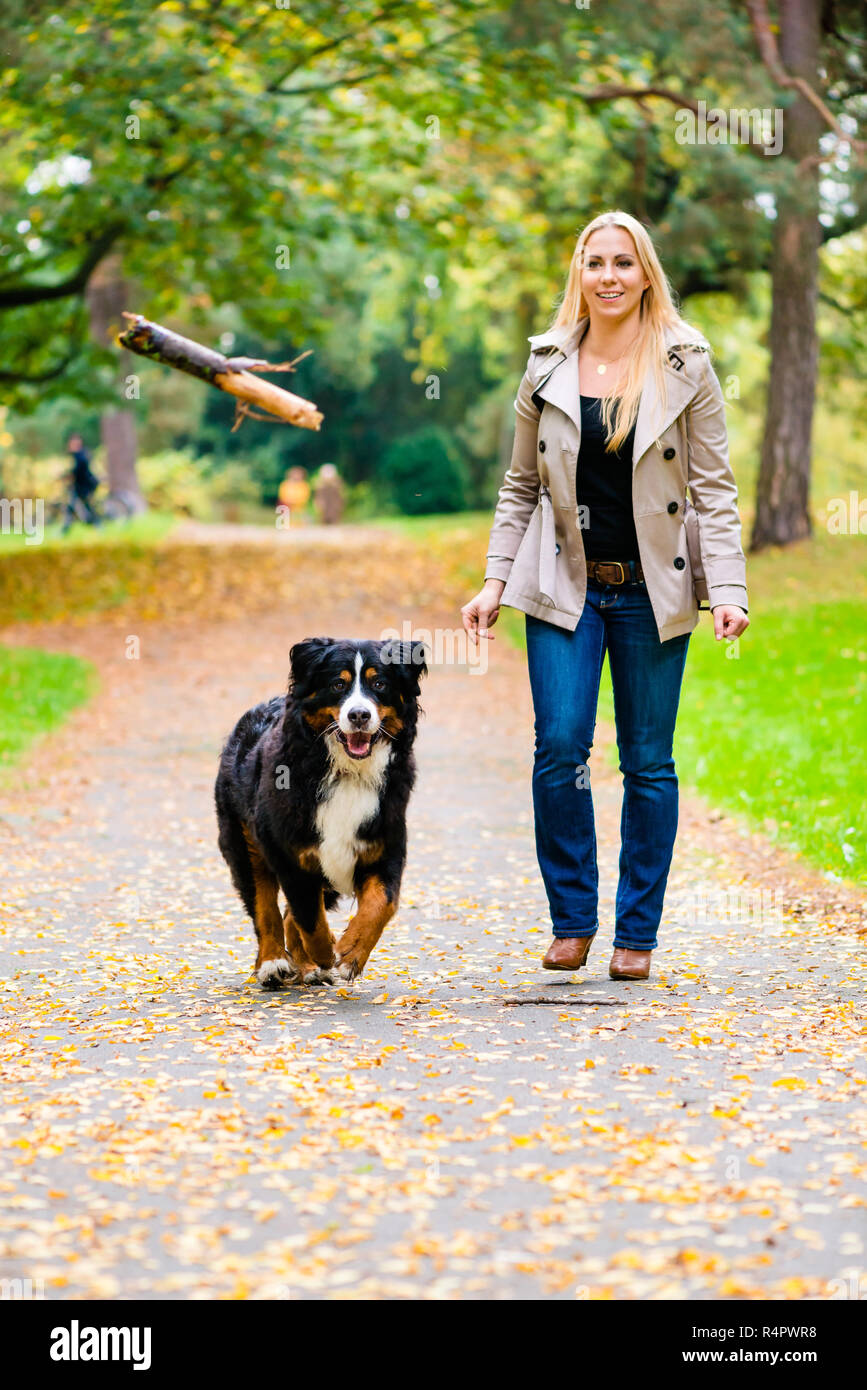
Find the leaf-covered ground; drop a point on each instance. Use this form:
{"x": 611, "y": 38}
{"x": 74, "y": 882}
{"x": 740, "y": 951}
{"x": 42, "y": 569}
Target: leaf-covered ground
{"x": 460, "y": 1123}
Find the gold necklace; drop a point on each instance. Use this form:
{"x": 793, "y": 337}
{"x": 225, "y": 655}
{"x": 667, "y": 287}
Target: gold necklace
{"x": 603, "y": 366}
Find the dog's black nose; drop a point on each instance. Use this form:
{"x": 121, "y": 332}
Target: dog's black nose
{"x": 359, "y": 717}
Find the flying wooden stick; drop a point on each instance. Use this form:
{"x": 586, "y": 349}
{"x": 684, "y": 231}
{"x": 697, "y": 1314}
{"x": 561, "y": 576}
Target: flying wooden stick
{"x": 231, "y": 374}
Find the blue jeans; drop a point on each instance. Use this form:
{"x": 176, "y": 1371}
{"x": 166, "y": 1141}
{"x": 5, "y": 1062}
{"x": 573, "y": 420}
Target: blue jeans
{"x": 646, "y": 674}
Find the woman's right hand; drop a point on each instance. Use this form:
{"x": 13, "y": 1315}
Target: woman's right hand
{"x": 482, "y": 612}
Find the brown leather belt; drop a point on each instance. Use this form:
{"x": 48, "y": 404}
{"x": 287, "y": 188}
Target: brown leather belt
{"x": 615, "y": 571}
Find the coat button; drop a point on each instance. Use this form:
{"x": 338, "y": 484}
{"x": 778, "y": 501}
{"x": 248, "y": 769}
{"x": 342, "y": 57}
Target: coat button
{"x": 541, "y": 446}
{"x": 679, "y": 562}
{"x": 668, "y": 453}
{"x": 672, "y": 507}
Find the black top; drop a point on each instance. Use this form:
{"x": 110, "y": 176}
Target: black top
{"x": 83, "y": 480}
{"x": 603, "y": 484}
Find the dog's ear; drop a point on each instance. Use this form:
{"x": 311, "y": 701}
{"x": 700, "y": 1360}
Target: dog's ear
{"x": 408, "y": 658}
{"x": 304, "y": 658}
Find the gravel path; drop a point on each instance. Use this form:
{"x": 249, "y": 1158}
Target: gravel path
{"x": 459, "y": 1124}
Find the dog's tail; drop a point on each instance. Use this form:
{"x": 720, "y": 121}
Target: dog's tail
{"x": 233, "y": 847}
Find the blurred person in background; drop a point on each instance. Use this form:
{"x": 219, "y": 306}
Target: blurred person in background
{"x": 328, "y": 496}
{"x": 294, "y": 494}
{"x": 83, "y": 484}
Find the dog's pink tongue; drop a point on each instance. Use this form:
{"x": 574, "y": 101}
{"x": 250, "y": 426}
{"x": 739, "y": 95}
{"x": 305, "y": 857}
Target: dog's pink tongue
{"x": 359, "y": 743}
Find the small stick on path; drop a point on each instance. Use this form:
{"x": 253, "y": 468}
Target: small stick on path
{"x": 564, "y": 1003}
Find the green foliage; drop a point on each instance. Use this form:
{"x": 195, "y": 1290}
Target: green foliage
{"x": 185, "y": 137}
{"x": 414, "y": 225}
{"x": 367, "y": 501}
{"x": 23, "y": 475}
{"x": 842, "y": 322}
{"x": 367, "y": 405}
{"x": 173, "y": 481}
{"x": 37, "y": 691}
{"x": 424, "y": 472}
{"x": 232, "y": 156}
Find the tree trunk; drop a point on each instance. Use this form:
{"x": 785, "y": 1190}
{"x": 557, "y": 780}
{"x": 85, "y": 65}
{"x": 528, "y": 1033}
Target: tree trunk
{"x": 782, "y": 499}
{"x": 106, "y": 300}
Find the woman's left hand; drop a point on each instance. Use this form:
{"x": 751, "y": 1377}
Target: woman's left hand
{"x": 729, "y": 621}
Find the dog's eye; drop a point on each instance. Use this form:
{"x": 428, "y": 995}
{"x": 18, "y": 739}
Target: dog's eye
{"x": 338, "y": 685}
{"x": 378, "y": 683}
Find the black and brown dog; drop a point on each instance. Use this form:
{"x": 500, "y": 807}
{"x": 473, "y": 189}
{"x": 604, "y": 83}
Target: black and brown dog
{"x": 311, "y": 796}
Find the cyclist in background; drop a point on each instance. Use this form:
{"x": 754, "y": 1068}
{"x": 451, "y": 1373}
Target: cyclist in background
{"x": 83, "y": 484}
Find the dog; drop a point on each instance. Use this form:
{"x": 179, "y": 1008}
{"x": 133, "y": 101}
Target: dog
{"x": 311, "y": 797}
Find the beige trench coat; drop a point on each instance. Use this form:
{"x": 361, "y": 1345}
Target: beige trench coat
{"x": 690, "y": 546}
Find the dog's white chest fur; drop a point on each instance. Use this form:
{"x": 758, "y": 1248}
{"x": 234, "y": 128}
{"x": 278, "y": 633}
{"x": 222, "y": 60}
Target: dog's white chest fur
{"x": 349, "y": 799}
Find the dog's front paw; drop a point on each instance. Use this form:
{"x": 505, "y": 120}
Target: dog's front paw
{"x": 274, "y": 973}
{"x": 348, "y": 967}
{"x": 317, "y": 975}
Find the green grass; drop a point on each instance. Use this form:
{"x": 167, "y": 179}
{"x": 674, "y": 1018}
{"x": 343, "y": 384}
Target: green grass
{"x": 148, "y": 529}
{"x": 37, "y": 691}
{"x": 777, "y": 733}
{"x": 433, "y": 523}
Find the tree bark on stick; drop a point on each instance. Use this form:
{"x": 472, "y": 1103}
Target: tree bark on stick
{"x": 235, "y": 375}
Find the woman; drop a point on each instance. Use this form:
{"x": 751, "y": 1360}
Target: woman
{"x": 594, "y": 539}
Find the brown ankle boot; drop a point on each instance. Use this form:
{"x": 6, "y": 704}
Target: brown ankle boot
{"x": 629, "y": 965}
{"x": 567, "y": 952}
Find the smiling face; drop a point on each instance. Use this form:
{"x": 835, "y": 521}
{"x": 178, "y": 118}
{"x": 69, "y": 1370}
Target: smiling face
{"x": 612, "y": 278}
{"x": 355, "y": 694}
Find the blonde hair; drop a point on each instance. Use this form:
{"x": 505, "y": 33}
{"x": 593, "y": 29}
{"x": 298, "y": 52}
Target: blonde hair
{"x": 657, "y": 312}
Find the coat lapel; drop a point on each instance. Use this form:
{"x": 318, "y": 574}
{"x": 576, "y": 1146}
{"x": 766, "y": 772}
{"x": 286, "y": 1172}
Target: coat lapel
{"x": 679, "y": 388}
{"x": 559, "y": 382}
{"x": 560, "y": 385}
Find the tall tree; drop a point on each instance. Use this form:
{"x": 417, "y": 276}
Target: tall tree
{"x": 106, "y": 297}
{"x": 807, "y": 62}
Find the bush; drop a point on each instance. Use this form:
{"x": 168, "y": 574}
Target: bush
{"x": 22, "y": 476}
{"x": 367, "y": 500}
{"x": 172, "y": 481}
{"x": 425, "y": 472}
